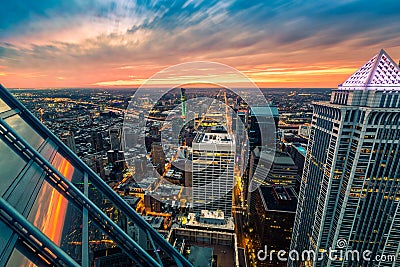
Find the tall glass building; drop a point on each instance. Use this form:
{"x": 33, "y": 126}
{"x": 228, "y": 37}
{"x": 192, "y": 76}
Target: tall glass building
{"x": 350, "y": 190}
{"x": 55, "y": 211}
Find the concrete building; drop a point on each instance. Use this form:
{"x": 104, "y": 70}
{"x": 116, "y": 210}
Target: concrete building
{"x": 271, "y": 214}
{"x": 212, "y": 171}
{"x": 115, "y": 138}
{"x": 158, "y": 157}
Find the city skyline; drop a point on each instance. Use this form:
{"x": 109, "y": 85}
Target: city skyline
{"x": 121, "y": 44}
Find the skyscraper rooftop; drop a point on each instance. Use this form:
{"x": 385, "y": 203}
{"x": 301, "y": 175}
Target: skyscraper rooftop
{"x": 378, "y": 73}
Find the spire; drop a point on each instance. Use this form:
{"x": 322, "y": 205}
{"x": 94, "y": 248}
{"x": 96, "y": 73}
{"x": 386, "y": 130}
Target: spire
{"x": 380, "y": 70}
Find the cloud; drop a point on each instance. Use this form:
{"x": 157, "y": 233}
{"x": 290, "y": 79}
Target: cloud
{"x": 119, "y": 38}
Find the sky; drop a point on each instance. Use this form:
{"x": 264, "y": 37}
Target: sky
{"x": 106, "y": 43}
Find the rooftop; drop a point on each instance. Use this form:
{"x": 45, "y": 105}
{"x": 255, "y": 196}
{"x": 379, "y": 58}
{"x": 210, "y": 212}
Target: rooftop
{"x": 379, "y": 71}
{"x": 280, "y": 158}
{"x": 278, "y": 198}
{"x": 283, "y": 158}
{"x": 206, "y": 214}
{"x": 226, "y": 225}
{"x": 301, "y": 149}
{"x": 214, "y": 138}
{"x": 265, "y": 111}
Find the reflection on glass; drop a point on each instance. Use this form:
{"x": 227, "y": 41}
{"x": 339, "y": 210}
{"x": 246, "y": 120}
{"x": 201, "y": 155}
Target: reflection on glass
{"x": 25, "y": 131}
{"x": 48, "y": 213}
{"x": 3, "y": 106}
{"x": 10, "y": 166}
{"x": 58, "y": 219}
{"x": 17, "y": 259}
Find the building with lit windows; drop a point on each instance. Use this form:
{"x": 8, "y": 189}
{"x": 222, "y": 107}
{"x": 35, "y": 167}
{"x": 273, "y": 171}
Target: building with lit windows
{"x": 213, "y": 171}
{"x": 349, "y": 197}
{"x": 271, "y": 215}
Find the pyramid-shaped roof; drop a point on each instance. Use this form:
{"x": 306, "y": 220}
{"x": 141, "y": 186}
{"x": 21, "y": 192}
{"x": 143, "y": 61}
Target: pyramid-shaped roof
{"x": 379, "y": 71}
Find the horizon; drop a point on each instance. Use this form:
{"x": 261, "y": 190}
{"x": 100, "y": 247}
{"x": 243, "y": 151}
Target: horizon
{"x": 161, "y": 87}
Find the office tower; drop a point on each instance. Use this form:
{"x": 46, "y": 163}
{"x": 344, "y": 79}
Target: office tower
{"x": 116, "y": 159}
{"x": 115, "y": 138}
{"x": 46, "y": 204}
{"x": 97, "y": 141}
{"x": 349, "y": 197}
{"x": 271, "y": 215}
{"x": 68, "y": 139}
{"x": 183, "y": 99}
{"x": 158, "y": 156}
{"x": 240, "y": 125}
{"x": 268, "y": 170}
{"x": 212, "y": 171}
{"x": 260, "y": 123}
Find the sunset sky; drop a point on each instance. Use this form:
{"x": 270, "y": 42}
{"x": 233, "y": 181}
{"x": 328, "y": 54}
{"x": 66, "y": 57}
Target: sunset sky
{"x": 106, "y": 43}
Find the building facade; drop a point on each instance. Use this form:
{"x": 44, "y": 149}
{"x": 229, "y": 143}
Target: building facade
{"x": 213, "y": 172}
{"x": 349, "y": 196}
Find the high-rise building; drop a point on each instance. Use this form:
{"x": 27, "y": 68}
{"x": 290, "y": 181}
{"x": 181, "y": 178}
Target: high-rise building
{"x": 158, "y": 156}
{"x": 68, "y": 139}
{"x": 212, "y": 171}
{"x": 260, "y": 124}
{"x": 298, "y": 154}
{"x": 267, "y": 169}
{"x": 271, "y": 215}
{"x": 115, "y": 138}
{"x": 48, "y": 196}
{"x": 349, "y": 197}
{"x": 97, "y": 141}
{"x": 183, "y": 99}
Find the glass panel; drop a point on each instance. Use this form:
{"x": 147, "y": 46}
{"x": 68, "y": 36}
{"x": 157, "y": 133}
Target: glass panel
{"x": 17, "y": 259}
{"x": 3, "y": 106}
{"x": 10, "y": 166}
{"x": 50, "y": 208}
{"x": 25, "y": 131}
{"x": 48, "y": 150}
{"x": 5, "y": 235}
{"x": 123, "y": 221}
{"x": 58, "y": 219}
{"x": 22, "y": 193}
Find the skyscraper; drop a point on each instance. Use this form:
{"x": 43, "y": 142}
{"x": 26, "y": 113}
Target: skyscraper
{"x": 349, "y": 197}
{"x": 115, "y": 138}
{"x": 213, "y": 166}
{"x": 158, "y": 156}
{"x": 183, "y": 104}
{"x": 260, "y": 123}
{"x": 68, "y": 139}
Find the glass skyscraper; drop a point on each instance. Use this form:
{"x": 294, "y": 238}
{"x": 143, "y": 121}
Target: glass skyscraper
{"x": 350, "y": 190}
